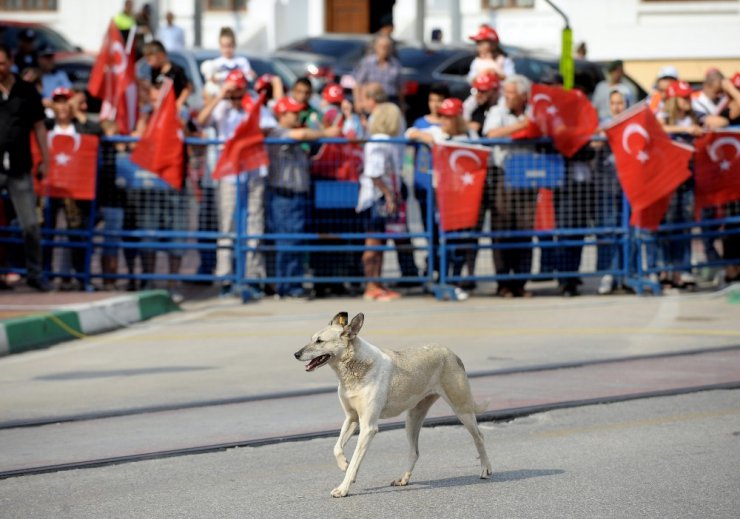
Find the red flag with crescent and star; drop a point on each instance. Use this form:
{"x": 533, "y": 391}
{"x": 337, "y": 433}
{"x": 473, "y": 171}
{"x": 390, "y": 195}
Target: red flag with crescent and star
{"x": 73, "y": 166}
{"x": 245, "y": 150}
{"x": 160, "y": 150}
{"x": 650, "y": 166}
{"x": 460, "y": 174}
{"x": 567, "y": 116}
{"x": 717, "y": 169}
{"x": 113, "y": 79}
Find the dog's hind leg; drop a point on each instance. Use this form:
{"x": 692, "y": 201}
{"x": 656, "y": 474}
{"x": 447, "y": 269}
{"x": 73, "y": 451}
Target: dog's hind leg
{"x": 457, "y": 393}
{"x": 348, "y": 429}
{"x": 414, "y": 422}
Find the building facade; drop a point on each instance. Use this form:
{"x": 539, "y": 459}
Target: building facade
{"x": 692, "y": 35}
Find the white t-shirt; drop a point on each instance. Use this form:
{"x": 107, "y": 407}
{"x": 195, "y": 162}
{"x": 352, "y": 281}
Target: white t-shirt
{"x": 501, "y": 64}
{"x": 381, "y": 161}
{"x": 222, "y": 66}
{"x": 704, "y": 105}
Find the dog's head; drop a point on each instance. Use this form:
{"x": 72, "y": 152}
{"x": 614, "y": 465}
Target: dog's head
{"x": 331, "y": 341}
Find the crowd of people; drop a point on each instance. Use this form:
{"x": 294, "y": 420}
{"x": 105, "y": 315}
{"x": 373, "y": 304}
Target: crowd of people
{"x": 276, "y": 198}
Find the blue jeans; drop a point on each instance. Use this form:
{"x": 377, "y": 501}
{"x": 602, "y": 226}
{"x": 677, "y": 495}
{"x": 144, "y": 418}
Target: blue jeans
{"x": 288, "y": 216}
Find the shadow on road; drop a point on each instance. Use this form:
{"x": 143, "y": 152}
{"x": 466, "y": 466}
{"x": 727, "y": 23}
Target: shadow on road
{"x": 461, "y": 481}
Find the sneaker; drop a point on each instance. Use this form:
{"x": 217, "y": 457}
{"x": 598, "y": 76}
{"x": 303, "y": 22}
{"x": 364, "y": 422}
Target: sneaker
{"x": 687, "y": 278}
{"x": 39, "y": 284}
{"x": 460, "y": 294}
{"x": 371, "y": 294}
{"x": 388, "y": 295}
{"x": 607, "y": 285}
{"x": 380, "y": 294}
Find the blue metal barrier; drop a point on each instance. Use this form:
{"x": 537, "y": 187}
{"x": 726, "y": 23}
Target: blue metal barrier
{"x": 591, "y": 237}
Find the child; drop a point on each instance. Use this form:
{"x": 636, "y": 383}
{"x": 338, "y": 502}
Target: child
{"x": 380, "y": 186}
{"x": 489, "y": 55}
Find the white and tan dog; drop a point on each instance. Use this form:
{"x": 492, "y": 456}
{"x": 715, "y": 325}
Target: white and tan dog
{"x": 376, "y": 383}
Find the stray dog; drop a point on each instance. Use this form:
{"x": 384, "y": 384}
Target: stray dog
{"x": 376, "y": 383}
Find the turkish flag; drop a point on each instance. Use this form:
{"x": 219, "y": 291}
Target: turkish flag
{"x": 717, "y": 169}
{"x": 160, "y": 150}
{"x": 460, "y": 174}
{"x": 567, "y": 116}
{"x": 245, "y": 150}
{"x": 73, "y": 166}
{"x": 649, "y": 165}
{"x": 113, "y": 79}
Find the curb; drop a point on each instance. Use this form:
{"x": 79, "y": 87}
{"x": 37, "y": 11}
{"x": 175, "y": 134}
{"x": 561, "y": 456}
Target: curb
{"x": 79, "y": 321}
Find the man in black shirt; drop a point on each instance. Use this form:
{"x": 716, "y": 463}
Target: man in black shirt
{"x": 160, "y": 64}
{"x": 22, "y": 113}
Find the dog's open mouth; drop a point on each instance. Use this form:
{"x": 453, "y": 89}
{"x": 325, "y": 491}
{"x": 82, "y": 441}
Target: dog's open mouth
{"x": 317, "y": 362}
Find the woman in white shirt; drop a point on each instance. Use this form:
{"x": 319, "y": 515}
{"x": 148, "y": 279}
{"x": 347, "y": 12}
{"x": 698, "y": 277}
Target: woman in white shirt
{"x": 380, "y": 186}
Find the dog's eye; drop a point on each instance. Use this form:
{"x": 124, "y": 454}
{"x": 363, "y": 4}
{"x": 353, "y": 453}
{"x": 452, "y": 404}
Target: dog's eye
{"x": 319, "y": 340}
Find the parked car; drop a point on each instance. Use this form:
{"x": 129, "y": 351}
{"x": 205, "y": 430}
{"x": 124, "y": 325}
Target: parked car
{"x": 191, "y": 60}
{"x": 328, "y": 58}
{"x": 45, "y": 37}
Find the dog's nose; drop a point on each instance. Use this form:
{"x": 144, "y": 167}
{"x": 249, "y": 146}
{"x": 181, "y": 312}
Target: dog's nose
{"x": 297, "y": 355}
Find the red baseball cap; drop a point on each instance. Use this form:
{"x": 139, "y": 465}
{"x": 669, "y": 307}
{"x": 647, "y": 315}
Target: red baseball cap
{"x": 333, "y": 93}
{"x": 485, "y": 82}
{"x": 451, "y": 106}
{"x": 485, "y": 32}
{"x": 736, "y": 79}
{"x": 263, "y": 82}
{"x": 64, "y": 92}
{"x": 238, "y": 78}
{"x": 287, "y": 104}
{"x": 678, "y": 89}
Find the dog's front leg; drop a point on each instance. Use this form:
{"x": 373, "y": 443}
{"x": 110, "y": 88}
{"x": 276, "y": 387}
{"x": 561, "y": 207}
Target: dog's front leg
{"x": 348, "y": 429}
{"x": 368, "y": 429}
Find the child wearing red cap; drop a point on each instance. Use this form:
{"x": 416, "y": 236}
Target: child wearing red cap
{"x": 489, "y": 55}
{"x": 678, "y": 115}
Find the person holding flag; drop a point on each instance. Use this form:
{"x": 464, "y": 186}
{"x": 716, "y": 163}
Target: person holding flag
{"x": 161, "y": 151}
{"x": 452, "y": 127}
{"x": 71, "y": 180}
{"x": 680, "y": 120}
{"x": 113, "y": 79}
{"x": 226, "y": 112}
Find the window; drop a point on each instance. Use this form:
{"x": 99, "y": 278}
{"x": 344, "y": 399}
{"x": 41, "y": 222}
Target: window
{"x": 497, "y": 4}
{"x": 226, "y": 5}
{"x": 28, "y": 5}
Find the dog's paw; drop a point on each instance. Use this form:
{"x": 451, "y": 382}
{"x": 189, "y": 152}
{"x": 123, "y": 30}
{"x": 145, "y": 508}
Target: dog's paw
{"x": 339, "y": 492}
{"x": 343, "y": 464}
{"x": 403, "y": 481}
{"x": 486, "y": 473}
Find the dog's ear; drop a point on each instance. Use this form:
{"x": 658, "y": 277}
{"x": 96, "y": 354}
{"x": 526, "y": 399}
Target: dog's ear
{"x": 342, "y": 318}
{"x": 354, "y": 327}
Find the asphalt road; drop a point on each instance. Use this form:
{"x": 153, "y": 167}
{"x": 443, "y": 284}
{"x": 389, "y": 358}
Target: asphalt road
{"x": 663, "y": 457}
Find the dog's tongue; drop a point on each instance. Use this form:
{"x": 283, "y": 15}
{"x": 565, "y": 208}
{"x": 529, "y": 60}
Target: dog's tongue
{"x": 315, "y": 363}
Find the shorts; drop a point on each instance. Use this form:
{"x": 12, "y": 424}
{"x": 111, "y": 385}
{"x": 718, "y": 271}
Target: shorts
{"x": 374, "y": 218}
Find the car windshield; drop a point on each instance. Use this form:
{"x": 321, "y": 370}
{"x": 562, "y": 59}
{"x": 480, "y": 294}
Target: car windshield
{"x": 339, "y": 49}
{"x": 45, "y": 37}
{"x": 419, "y": 58}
